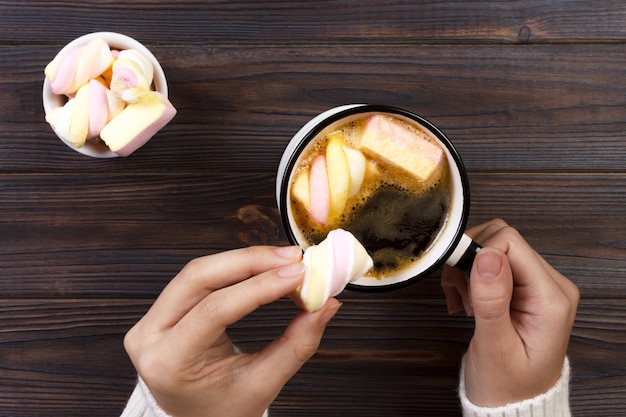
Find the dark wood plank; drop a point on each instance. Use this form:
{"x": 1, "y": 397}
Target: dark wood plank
{"x": 346, "y": 21}
{"x": 377, "y": 358}
{"x": 558, "y": 108}
{"x": 123, "y": 235}
{"x": 65, "y": 358}
{"x": 84, "y": 230}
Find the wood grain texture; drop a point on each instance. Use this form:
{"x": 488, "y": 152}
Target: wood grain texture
{"x": 378, "y": 355}
{"x": 532, "y": 93}
{"x": 98, "y": 236}
{"x": 560, "y": 107}
{"x": 330, "y": 21}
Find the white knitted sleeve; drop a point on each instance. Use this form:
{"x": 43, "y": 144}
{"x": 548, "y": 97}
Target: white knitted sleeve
{"x": 142, "y": 404}
{"x": 552, "y": 403}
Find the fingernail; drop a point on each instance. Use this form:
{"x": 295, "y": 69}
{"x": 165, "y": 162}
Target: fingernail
{"x": 488, "y": 264}
{"x": 329, "y": 313}
{"x": 291, "y": 271}
{"x": 289, "y": 252}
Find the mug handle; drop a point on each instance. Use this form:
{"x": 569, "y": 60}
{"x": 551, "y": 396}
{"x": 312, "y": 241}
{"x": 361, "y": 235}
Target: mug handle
{"x": 463, "y": 256}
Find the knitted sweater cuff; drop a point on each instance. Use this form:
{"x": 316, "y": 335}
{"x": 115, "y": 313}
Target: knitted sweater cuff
{"x": 142, "y": 404}
{"x": 552, "y": 403}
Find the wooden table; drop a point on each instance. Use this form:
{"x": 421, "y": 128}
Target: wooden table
{"x": 533, "y": 94}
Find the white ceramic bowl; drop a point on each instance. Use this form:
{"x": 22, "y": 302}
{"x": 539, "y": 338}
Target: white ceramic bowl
{"x": 115, "y": 41}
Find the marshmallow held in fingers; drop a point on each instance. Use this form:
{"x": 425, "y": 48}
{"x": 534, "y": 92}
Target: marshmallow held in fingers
{"x": 329, "y": 267}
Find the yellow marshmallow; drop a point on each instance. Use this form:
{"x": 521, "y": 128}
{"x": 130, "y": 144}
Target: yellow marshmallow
{"x": 137, "y": 123}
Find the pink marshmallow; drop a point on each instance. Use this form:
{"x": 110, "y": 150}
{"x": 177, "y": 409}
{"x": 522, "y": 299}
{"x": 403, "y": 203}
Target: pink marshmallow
{"x": 320, "y": 193}
{"x": 125, "y": 77}
{"x": 69, "y": 71}
{"x": 103, "y": 107}
{"x": 386, "y": 139}
{"x": 329, "y": 267}
{"x": 343, "y": 258}
{"x": 98, "y": 108}
{"x": 132, "y": 76}
{"x": 62, "y": 80}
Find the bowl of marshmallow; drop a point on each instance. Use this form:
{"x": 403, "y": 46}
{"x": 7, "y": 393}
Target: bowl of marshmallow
{"x": 105, "y": 95}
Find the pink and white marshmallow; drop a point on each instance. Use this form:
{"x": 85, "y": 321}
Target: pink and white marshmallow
{"x": 69, "y": 71}
{"x": 132, "y": 76}
{"x": 85, "y": 115}
{"x": 329, "y": 267}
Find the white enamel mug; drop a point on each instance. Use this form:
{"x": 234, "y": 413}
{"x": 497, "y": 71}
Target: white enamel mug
{"x": 451, "y": 245}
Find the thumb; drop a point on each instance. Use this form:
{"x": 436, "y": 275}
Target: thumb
{"x": 279, "y": 361}
{"x": 491, "y": 285}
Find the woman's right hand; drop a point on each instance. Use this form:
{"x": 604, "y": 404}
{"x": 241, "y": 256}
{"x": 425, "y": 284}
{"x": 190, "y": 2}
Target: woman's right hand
{"x": 524, "y": 311}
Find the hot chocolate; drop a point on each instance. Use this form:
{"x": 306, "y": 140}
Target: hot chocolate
{"x": 386, "y": 181}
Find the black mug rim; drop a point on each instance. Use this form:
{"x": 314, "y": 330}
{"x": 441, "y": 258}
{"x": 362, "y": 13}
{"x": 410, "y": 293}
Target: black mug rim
{"x": 379, "y": 108}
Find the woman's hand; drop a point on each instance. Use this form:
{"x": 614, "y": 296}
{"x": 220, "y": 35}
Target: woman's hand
{"x": 180, "y": 347}
{"x": 524, "y": 311}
